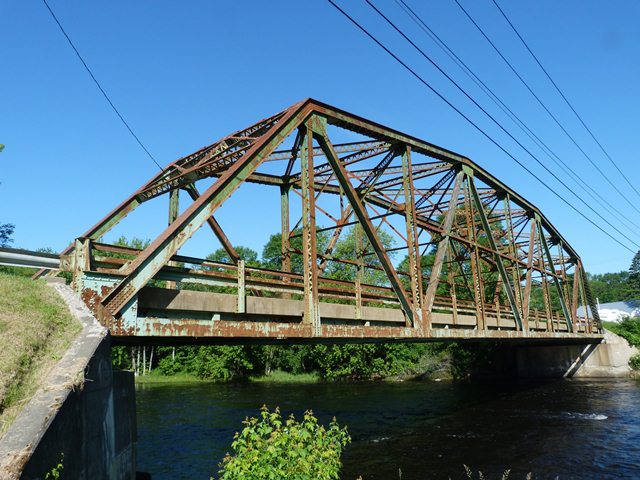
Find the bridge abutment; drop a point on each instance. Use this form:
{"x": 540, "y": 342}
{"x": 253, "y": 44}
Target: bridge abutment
{"x": 83, "y": 417}
{"x": 610, "y": 358}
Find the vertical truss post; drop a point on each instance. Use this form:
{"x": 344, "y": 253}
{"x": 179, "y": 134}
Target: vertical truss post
{"x": 174, "y": 210}
{"x": 496, "y": 301}
{"x": 285, "y": 242}
{"x": 310, "y": 258}
{"x": 452, "y": 285}
{"x": 81, "y": 262}
{"x": 358, "y": 234}
{"x": 474, "y": 258}
{"x": 443, "y": 246}
{"x": 242, "y": 298}
{"x": 587, "y": 304}
{"x": 513, "y": 251}
{"x": 413, "y": 249}
{"x": 588, "y": 300}
{"x": 526, "y": 302}
{"x": 494, "y": 248}
{"x": 362, "y": 216}
{"x": 574, "y": 297}
{"x": 556, "y": 282}
{"x": 565, "y": 285}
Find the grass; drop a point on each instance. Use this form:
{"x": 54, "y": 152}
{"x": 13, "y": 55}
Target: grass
{"x": 278, "y": 376}
{"x": 155, "y": 378}
{"x": 36, "y": 329}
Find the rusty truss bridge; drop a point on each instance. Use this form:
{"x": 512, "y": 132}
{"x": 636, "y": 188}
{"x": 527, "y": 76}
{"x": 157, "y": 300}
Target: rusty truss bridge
{"x": 384, "y": 237}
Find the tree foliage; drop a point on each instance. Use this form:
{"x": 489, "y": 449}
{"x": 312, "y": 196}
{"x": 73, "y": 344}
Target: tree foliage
{"x": 611, "y": 287}
{"x": 6, "y": 230}
{"x": 269, "y": 447}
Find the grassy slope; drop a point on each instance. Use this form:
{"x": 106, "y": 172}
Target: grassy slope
{"x": 35, "y": 330}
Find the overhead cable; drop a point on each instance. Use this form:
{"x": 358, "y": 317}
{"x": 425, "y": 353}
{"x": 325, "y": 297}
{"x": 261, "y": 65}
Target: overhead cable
{"x": 604, "y": 175}
{"x": 95, "y": 80}
{"x": 498, "y": 124}
{"x": 593, "y": 193}
{"x": 476, "y": 126}
{"x": 566, "y": 99}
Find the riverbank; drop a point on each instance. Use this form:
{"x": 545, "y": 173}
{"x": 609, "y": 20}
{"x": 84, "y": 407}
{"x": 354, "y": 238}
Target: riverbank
{"x": 36, "y": 328}
{"x": 276, "y": 376}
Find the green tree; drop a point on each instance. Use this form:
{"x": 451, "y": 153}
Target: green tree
{"x": 346, "y": 249}
{"x": 6, "y": 230}
{"x": 611, "y": 287}
{"x": 272, "y": 251}
{"x": 634, "y": 276}
{"x": 248, "y": 255}
{"x": 270, "y": 447}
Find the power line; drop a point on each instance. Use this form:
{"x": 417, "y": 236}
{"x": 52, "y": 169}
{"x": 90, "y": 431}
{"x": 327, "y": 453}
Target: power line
{"x": 464, "y": 92}
{"x": 565, "y": 98}
{"x": 519, "y": 123}
{"x": 485, "y": 134}
{"x": 95, "y": 80}
{"x": 544, "y": 106}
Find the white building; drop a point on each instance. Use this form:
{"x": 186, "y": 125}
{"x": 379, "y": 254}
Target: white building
{"x": 615, "y": 311}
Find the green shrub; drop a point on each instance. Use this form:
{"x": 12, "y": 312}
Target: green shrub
{"x": 634, "y": 362}
{"x": 270, "y": 447}
{"x": 628, "y": 328}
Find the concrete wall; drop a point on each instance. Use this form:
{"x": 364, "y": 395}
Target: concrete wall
{"x": 84, "y": 414}
{"x": 607, "y": 359}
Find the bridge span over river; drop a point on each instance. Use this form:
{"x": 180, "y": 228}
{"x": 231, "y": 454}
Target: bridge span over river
{"x": 441, "y": 249}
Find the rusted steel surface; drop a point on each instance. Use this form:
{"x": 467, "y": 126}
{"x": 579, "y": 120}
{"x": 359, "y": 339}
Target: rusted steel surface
{"x": 440, "y": 249}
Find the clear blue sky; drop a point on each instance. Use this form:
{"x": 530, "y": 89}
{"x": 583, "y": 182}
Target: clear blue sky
{"x": 187, "y": 73}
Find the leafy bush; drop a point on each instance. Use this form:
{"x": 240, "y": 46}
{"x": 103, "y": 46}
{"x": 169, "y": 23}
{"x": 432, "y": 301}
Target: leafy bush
{"x": 270, "y": 447}
{"x": 629, "y": 328}
{"x": 634, "y": 362}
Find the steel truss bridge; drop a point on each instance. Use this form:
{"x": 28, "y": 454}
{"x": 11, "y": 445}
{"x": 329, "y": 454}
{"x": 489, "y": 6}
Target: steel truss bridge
{"x": 438, "y": 247}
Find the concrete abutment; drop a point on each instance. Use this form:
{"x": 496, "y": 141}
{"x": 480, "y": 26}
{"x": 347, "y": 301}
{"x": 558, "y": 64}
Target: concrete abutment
{"x": 83, "y": 417}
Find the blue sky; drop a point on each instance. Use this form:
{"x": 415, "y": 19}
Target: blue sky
{"x": 185, "y": 74}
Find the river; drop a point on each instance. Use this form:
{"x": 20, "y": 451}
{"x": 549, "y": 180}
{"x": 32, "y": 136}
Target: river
{"x": 574, "y": 429}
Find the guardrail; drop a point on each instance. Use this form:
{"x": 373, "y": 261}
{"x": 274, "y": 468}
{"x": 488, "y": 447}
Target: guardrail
{"x": 15, "y": 257}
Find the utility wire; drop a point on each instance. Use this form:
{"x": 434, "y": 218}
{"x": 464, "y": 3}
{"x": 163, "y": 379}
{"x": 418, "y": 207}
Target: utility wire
{"x": 498, "y": 124}
{"x": 485, "y": 134}
{"x": 517, "y": 120}
{"x": 565, "y": 98}
{"x": 95, "y": 80}
{"x": 545, "y": 107}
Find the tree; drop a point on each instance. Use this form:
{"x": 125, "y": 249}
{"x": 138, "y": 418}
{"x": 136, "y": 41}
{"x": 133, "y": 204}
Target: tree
{"x": 611, "y": 287}
{"x": 272, "y": 251}
{"x": 6, "y": 230}
{"x": 634, "y": 276}
{"x": 249, "y": 256}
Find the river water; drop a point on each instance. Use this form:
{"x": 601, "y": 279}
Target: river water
{"x": 574, "y": 429}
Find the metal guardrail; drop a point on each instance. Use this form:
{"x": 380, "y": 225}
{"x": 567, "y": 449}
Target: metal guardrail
{"x": 15, "y": 257}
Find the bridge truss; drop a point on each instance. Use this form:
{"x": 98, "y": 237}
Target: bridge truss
{"x": 383, "y": 237}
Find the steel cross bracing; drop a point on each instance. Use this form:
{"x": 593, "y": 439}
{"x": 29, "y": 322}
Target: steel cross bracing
{"x": 383, "y": 237}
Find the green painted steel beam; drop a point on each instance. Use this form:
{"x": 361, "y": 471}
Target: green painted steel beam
{"x": 494, "y": 248}
{"x": 361, "y": 213}
{"x": 556, "y": 282}
{"x": 159, "y": 252}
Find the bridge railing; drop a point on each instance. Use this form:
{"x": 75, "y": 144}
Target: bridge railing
{"x": 190, "y": 273}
